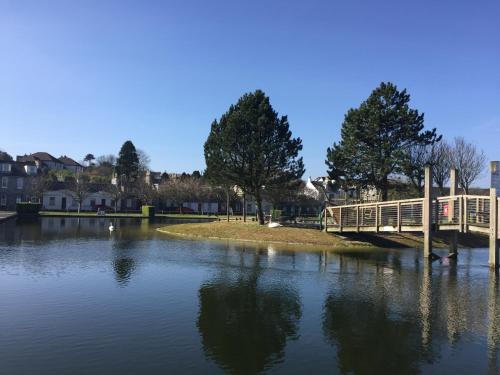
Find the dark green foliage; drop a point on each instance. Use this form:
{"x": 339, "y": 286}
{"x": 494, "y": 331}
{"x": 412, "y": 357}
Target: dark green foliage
{"x": 88, "y": 158}
{"x": 26, "y": 208}
{"x": 148, "y": 211}
{"x": 250, "y": 146}
{"x": 127, "y": 163}
{"x": 375, "y": 139}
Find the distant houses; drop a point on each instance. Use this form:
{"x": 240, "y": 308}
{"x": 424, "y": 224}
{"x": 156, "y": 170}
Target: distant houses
{"x": 15, "y": 183}
{"x": 46, "y": 160}
{"x": 20, "y": 182}
{"x": 17, "y": 177}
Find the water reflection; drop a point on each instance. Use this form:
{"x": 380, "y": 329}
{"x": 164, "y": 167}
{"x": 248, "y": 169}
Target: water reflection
{"x": 398, "y": 317}
{"x": 369, "y": 336}
{"x": 247, "y": 309}
{"x": 246, "y": 319}
{"x": 493, "y": 323}
{"x": 124, "y": 267}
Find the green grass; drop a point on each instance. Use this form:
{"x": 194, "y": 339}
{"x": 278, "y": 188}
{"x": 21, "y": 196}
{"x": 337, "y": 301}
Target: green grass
{"x": 252, "y": 232}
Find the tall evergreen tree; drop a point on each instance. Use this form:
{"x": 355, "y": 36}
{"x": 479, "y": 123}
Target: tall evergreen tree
{"x": 376, "y": 138}
{"x": 250, "y": 146}
{"x": 127, "y": 163}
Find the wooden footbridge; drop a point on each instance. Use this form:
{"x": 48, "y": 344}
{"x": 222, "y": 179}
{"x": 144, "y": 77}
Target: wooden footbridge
{"x": 453, "y": 213}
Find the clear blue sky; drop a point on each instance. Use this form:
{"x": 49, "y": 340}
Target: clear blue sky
{"x": 84, "y": 76}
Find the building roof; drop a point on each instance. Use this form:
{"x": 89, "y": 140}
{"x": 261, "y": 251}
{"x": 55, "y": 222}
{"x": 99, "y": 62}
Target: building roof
{"x": 66, "y": 160}
{"x": 42, "y": 156}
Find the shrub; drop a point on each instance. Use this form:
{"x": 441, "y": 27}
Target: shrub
{"x": 148, "y": 211}
{"x": 276, "y": 214}
{"x": 27, "y": 208}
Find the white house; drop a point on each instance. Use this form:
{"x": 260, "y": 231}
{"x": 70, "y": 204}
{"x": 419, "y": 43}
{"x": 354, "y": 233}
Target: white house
{"x": 65, "y": 200}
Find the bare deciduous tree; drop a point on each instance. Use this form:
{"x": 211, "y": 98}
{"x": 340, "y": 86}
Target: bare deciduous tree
{"x": 442, "y": 164}
{"x": 81, "y": 187}
{"x": 175, "y": 190}
{"x": 469, "y": 161}
{"x": 144, "y": 160}
{"x": 417, "y": 157}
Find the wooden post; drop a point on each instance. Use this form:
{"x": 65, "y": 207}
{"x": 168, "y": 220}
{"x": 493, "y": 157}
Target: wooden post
{"x": 427, "y": 213}
{"x": 399, "y": 217}
{"x": 340, "y": 218}
{"x": 376, "y": 217}
{"x": 357, "y": 219}
{"x": 326, "y": 218}
{"x": 466, "y": 214}
{"x": 493, "y": 259}
{"x": 453, "y": 249}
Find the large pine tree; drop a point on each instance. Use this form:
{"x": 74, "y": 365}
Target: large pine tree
{"x": 376, "y": 138}
{"x": 252, "y": 147}
{"x": 127, "y": 163}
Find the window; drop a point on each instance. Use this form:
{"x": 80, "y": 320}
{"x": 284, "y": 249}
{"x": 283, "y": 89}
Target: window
{"x": 19, "y": 199}
{"x": 19, "y": 183}
{"x": 129, "y": 203}
{"x": 52, "y": 201}
{"x": 5, "y": 181}
{"x": 30, "y": 169}
{"x": 3, "y": 200}
{"x": 4, "y": 167}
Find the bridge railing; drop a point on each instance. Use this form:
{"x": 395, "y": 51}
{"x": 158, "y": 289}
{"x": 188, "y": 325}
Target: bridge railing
{"x": 406, "y": 212}
{"x": 458, "y": 211}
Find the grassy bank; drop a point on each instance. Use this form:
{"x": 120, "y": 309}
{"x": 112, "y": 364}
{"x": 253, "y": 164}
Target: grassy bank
{"x": 252, "y": 232}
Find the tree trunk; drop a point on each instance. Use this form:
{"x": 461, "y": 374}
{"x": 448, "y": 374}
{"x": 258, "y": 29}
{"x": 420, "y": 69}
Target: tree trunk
{"x": 227, "y": 204}
{"x": 260, "y": 212}
{"x": 244, "y": 207}
{"x": 384, "y": 188}
{"x": 79, "y": 207}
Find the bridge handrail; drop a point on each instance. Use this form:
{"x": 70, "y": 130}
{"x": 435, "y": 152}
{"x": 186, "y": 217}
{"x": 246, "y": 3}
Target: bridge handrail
{"x": 385, "y": 203}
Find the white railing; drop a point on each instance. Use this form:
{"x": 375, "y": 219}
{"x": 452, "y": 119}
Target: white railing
{"x": 459, "y": 211}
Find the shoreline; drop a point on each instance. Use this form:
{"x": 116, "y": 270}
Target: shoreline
{"x": 292, "y": 236}
{"x": 126, "y": 215}
{"x": 5, "y": 216}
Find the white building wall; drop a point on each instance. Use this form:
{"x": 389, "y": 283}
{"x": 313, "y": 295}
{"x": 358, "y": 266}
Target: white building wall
{"x": 56, "y": 198}
{"x": 71, "y": 201}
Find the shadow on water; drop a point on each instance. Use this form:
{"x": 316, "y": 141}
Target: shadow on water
{"x": 245, "y": 322}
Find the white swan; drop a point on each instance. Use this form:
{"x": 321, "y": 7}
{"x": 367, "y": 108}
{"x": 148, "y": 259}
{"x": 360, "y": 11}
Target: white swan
{"x": 111, "y": 227}
{"x": 273, "y": 225}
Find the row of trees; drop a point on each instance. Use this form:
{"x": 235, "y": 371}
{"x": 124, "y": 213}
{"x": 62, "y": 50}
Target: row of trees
{"x": 252, "y": 147}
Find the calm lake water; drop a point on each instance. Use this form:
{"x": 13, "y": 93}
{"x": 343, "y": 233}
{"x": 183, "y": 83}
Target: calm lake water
{"x": 75, "y": 299}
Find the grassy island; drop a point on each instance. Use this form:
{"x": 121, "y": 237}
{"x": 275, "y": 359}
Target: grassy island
{"x": 252, "y": 232}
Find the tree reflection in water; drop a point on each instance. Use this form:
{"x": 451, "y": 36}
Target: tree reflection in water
{"x": 124, "y": 268}
{"x": 124, "y": 264}
{"x": 245, "y": 322}
{"x": 360, "y": 322}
